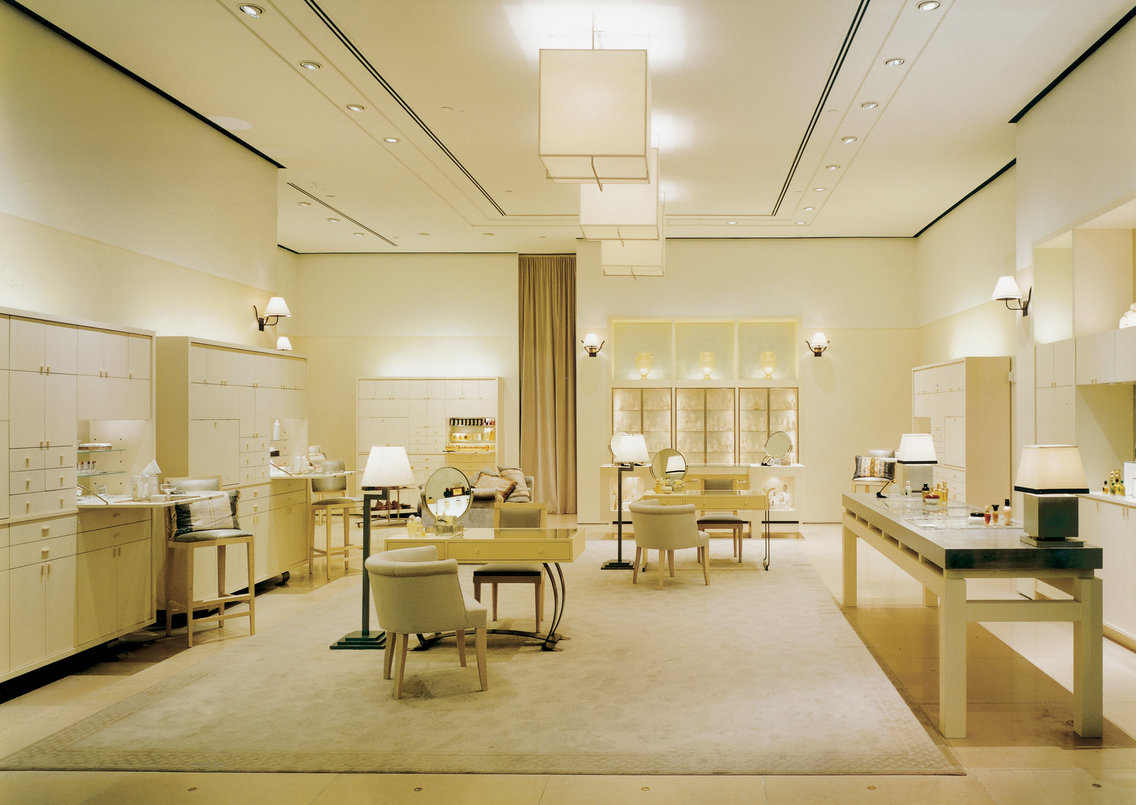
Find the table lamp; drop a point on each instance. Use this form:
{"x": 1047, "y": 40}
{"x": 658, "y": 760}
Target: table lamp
{"x": 627, "y": 450}
{"x": 915, "y": 460}
{"x": 387, "y": 466}
{"x": 1050, "y": 476}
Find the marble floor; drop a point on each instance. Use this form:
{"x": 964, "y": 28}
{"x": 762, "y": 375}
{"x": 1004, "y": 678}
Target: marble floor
{"x": 1010, "y": 755}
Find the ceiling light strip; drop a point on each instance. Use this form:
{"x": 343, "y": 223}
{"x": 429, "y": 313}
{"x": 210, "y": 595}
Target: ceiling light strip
{"x": 345, "y": 216}
{"x": 861, "y": 10}
{"x": 347, "y": 43}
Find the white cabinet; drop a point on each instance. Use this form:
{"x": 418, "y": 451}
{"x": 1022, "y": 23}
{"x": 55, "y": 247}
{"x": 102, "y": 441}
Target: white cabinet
{"x": 1096, "y": 358}
{"x": 214, "y": 450}
{"x": 966, "y": 402}
{"x": 1054, "y": 392}
{"x": 41, "y": 591}
{"x": 1110, "y": 523}
{"x": 113, "y": 577}
{"x": 42, "y": 347}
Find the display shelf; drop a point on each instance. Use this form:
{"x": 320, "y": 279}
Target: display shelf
{"x": 646, "y": 411}
{"x": 763, "y": 411}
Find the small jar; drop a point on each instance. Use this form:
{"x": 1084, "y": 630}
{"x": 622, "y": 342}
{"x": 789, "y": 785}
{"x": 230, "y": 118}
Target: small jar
{"x": 987, "y": 515}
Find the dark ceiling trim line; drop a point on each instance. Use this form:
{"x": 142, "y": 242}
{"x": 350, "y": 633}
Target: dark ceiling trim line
{"x": 1111, "y": 32}
{"x": 963, "y": 200}
{"x": 340, "y": 213}
{"x": 840, "y": 57}
{"x": 370, "y": 68}
{"x": 138, "y": 79}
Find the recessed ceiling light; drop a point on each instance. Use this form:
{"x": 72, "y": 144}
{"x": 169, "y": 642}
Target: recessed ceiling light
{"x": 333, "y": 220}
{"x": 424, "y": 234}
{"x": 489, "y": 234}
{"x": 869, "y": 104}
{"x": 928, "y": 5}
{"x": 894, "y": 62}
{"x": 311, "y": 65}
{"x": 799, "y": 223}
{"x": 819, "y": 189}
{"x": 832, "y": 167}
{"x": 849, "y": 139}
{"x": 253, "y": 11}
{"x": 731, "y": 223}
{"x": 358, "y": 234}
{"x": 354, "y": 107}
{"x": 809, "y": 209}
{"x": 391, "y": 140}
{"x": 304, "y": 203}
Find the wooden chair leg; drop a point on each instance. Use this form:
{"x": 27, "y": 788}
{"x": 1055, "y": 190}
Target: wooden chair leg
{"x": 388, "y": 654}
{"x": 479, "y": 635}
{"x": 459, "y": 634}
{"x": 476, "y": 589}
{"x": 494, "y": 600}
{"x": 635, "y": 570}
{"x": 671, "y": 562}
{"x": 311, "y": 541}
{"x": 662, "y": 564}
{"x": 189, "y": 595}
{"x": 170, "y": 554}
{"x": 327, "y": 544}
{"x": 403, "y": 639}
{"x": 706, "y": 566}
{"x": 345, "y": 513}
{"x": 251, "y": 589}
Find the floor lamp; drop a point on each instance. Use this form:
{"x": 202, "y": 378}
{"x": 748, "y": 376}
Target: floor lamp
{"x": 386, "y": 467}
{"x": 628, "y": 450}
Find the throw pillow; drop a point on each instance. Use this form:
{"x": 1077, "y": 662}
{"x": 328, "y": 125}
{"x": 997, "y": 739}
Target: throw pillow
{"x": 502, "y": 486}
{"x": 522, "y": 493}
{"x": 215, "y": 511}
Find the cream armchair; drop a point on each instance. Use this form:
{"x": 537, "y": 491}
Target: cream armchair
{"x": 417, "y": 593}
{"x": 667, "y": 528}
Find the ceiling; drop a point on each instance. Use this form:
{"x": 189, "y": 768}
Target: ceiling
{"x": 752, "y": 101}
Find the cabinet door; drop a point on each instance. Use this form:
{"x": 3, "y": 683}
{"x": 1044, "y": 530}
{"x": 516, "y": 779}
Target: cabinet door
{"x": 4, "y": 473}
{"x": 1043, "y": 366}
{"x": 60, "y": 606}
{"x": 214, "y": 449}
{"x": 134, "y": 585}
{"x": 1056, "y": 422}
{"x": 89, "y": 352}
{"x": 28, "y": 617}
{"x": 60, "y": 409}
{"x": 61, "y": 348}
{"x": 25, "y": 424}
{"x": 1064, "y": 362}
{"x": 5, "y": 653}
{"x": 96, "y": 610}
{"x": 1096, "y": 356}
{"x": 138, "y": 357}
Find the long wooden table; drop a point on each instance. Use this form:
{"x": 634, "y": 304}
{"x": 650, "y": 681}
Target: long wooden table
{"x": 722, "y": 500}
{"x": 548, "y": 546}
{"x": 942, "y": 549}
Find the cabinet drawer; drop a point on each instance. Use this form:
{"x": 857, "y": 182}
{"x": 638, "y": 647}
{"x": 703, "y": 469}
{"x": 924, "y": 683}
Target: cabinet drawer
{"x": 254, "y": 444}
{"x": 5, "y": 561}
{"x": 42, "y": 529}
{"x": 42, "y": 551}
{"x": 254, "y": 475}
{"x": 60, "y": 479}
{"x": 288, "y": 499}
{"x": 21, "y": 483}
{"x": 3, "y": 536}
{"x": 26, "y": 458}
{"x": 90, "y": 520}
{"x": 109, "y": 537}
{"x": 42, "y": 503}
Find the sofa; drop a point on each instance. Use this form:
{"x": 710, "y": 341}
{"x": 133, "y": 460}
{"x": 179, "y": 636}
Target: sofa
{"x": 484, "y": 497}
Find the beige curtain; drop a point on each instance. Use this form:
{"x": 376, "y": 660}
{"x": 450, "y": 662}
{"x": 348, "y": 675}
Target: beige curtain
{"x": 548, "y": 377}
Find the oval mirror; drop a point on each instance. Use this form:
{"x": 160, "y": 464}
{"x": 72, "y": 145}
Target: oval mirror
{"x": 778, "y": 445}
{"x": 447, "y": 493}
{"x": 668, "y": 465}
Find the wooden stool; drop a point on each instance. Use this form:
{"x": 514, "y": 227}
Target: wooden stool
{"x": 724, "y": 521}
{"x": 327, "y": 507}
{"x": 506, "y": 573}
{"x": 186, "y": 544}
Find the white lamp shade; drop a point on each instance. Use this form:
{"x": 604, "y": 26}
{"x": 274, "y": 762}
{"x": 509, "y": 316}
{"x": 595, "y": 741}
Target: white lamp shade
{"x": 623, "y": 211}
{"x": 277, "y": 307}
{"x": 284, "y": 343}
{"x": 387, "y": 466}
{"x": 1051, "y": 469}
{"x": 916, "y": 448}
{"x": 1007, "y": 288}
{"x": 818, "y": 340}
{"x": 592, "y": 340}
{"x": 632, "y": 258}
{"x": 594, "y": 115}
{"x": 629, "y": 448}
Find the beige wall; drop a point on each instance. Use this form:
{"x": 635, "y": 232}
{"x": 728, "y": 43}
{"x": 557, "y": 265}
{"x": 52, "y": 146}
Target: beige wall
{"x": 427, "y": 315}
{"x": 856, "y": 397}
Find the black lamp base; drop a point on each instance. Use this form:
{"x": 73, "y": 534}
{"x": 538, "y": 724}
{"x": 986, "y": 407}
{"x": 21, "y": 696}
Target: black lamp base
{"x": 617, "y": 564}
{"x": 1053, "y": 542}
{"x": 361, "y": 640}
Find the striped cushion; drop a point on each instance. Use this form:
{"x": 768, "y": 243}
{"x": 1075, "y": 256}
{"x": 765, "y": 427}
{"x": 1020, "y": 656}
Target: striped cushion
{"x": 216, "y": 511}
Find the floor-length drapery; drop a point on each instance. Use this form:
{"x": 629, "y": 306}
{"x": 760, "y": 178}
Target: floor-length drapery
{"x": 547, "y": 327}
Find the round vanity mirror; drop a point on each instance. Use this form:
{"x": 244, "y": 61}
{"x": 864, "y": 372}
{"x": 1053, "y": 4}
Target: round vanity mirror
{"x": 777, "y": 447}
{"x": 668, "y": 466}
{"x": 447, "y": 493}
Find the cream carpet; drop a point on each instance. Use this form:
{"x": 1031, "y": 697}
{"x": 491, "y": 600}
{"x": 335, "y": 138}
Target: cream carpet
{"x": 759, "y": 673}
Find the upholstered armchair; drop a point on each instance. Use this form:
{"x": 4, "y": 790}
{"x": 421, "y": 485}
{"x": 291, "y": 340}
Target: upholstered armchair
{"x": 665, "y": 529}
{"x": 417, "y": 593}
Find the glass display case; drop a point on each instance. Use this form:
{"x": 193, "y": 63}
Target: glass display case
{"x": 643, "y": 410}
{"x": 704, "y": 425}
{"x": 762, "y": 411}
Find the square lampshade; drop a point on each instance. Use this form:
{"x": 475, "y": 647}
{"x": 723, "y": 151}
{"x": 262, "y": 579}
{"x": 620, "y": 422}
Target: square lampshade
{"x": 1051, "y": 469}
{"x": 594, "y": 115}
{"x": 387, "y": 466}
{"x": 629, "y": 448}
{"x": 623, "y": 211}
{"x": 916, "y": 448}
{"x": 632, "y": 258}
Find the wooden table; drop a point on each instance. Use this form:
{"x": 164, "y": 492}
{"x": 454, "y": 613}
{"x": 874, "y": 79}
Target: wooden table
{"x": 549, "y": 546}
{"x": 721, "y": 500}
{"x": 942, "y": 549}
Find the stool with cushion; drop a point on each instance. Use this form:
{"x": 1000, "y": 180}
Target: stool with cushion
{"x": 417, "y": 593}
{"x": 723, "y": 521}
{"x": 210, "y": 522}
{"x": 667, "y": 528}
{"x": 514, "y": 515}
{"x": 332, "y": 499}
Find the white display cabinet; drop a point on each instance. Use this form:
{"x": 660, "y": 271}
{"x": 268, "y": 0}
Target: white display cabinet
{"x": 646, "y": 411}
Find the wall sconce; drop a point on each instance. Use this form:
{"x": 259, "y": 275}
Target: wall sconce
{"x": 284, "y": 343}
{"x": 643, "y": 364}
{"x": 818, "y": 345}
{"x": 768, "y": 364}
{"x": 276, "y": 309}
{"x": 706, "y": 364}
{"x": 592, "y": 344}
{"x": 1007, "y": 291}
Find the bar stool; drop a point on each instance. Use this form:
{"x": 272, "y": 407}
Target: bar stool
{"x": 723, "y": 521}
{"x": 326, "y": 507}
{"x": 514, "y": 515}
{"x": 208, "y": 523}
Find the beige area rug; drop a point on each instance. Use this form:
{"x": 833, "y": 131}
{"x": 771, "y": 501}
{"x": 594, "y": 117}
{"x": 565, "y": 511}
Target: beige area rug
{"x": 759, "y": 673}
